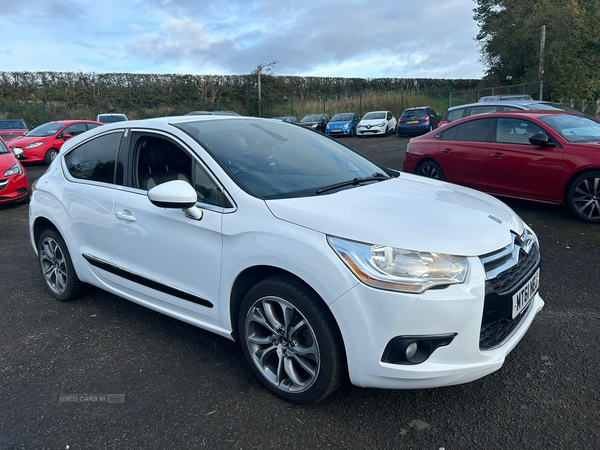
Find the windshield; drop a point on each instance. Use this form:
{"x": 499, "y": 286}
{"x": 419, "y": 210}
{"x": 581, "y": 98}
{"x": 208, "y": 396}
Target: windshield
{"x": 12, "y": 124}
{"x": 112, "y": 119}
{"x": 552, "y": 107}
{"x": 3, "y": 148}
{"x": 48, "y": 129}
{"x": 342, "y": 118}
{"x": 313, "y": 118}
{"x": 274, "y": 160}
{"x": 414, "y": 113}
{"x": 576, "y": 129}
{"x": 374, "y": 116}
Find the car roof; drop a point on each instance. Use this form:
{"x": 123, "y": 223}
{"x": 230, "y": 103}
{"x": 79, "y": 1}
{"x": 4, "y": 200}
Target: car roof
{"x": 73, "y": 121}
{"x": 514, "y": 103}
{"x": 526, "y": 113}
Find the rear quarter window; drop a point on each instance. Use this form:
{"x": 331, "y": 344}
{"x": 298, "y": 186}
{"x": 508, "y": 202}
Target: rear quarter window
{"x": 474, "y": 130}
{"x": 95, "y": 160}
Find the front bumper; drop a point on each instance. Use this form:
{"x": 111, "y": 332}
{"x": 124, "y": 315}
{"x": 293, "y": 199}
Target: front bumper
{"x": 13, "y": 188}
{"x": 369, "y": 318}
{"x": 373, "y": 130}
{"x": 338, "y": 131}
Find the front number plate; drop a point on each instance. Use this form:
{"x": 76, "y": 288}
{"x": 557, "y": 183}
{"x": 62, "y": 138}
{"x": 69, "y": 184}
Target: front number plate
{"x": 522, "y": 298}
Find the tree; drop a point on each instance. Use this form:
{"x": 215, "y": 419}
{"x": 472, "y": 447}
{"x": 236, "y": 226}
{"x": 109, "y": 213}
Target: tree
{"x": 509, "y": 39}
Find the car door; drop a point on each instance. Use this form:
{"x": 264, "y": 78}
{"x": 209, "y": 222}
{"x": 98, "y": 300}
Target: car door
{"x": 88, "y": 197}
{"x": 72, "y": 130}
{"x": 166, "y": 258}
{"x": 517, "y": 167}
{"x": 463, "y": 153}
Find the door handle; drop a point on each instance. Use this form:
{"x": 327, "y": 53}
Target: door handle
{"x": 497, "y": 155}
{"x": 448, "y": 151}
{"x": 126, "y": 215}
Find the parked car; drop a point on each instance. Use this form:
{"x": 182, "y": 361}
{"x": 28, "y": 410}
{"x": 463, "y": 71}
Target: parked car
{"x": 12, "y": 128}
{"x": 547, "y": 156}
{"x": 472, "y": 109}
{"x": 288, "y": 119}
{"x": 377, "y": 122}
{"x": 343, "y": 124}
{"x": 212, "y": 113}
{"x": 13, "y": 178}
{"x": 289, "y": 242}
{"x": 417, "y": 120}
{"x": 509, "y": 97}
{"x": 44, "y": 142}
{"x": 111, "y": 118}
{"x": 316, "y": 122}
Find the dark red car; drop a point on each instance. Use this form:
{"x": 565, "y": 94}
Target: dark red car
{"x": 546, "y": 156}
{"x": 12, "y": 128}
{"x": 44, "y": 142}
{"x": 13, "y": 178}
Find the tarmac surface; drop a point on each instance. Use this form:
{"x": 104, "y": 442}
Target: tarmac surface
{"x": 181, "y": 387}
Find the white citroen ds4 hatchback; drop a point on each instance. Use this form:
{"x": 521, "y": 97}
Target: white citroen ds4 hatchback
{"x": 322, "y": 264}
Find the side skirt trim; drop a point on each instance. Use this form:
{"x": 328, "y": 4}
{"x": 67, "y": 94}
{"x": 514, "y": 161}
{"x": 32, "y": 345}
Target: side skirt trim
{"x": 152, "y": 284}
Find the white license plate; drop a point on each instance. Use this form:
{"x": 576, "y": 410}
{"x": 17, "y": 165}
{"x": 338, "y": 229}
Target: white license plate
{"x": 522, "y": 298}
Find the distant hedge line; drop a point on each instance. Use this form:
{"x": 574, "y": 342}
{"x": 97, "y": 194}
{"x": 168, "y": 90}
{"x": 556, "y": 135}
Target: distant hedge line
{"x": 84, "y": 88}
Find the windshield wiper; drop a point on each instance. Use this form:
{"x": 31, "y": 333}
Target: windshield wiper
{"x": 355, "y": 182}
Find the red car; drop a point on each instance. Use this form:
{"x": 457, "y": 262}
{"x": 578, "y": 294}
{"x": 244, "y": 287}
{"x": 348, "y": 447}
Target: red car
{"x": 546, "y": 156}
{"x": 12, "y": 128}
{"x": 44, "y": 142}
{"x": 13, "y": 178}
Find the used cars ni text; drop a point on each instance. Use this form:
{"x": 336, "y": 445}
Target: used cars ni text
{"x": 379, "y": 123}
{"x": 321, "y": 263}
{"x": 44, "y": 142}
{"x": 13, "y": 178}
{"x": 547, "y": 156}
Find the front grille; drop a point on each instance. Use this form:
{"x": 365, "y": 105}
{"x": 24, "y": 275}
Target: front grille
{"x": 495, "y": 333}
{"x": 506, "y": 271}
{"x": 3, "y": 184}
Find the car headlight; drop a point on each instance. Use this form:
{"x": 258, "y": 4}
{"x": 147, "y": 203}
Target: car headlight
{"x": 397, "y": 269}
{"x": 34, "y": 145}
{"x": 315, "y": 125}
{"x": 14, "y": 170}
{"x": 382, "y": 124}
{"x": 346, "y": 125}
{"x": 328, "y": 126}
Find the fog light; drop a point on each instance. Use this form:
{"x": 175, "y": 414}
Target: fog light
{"x": 411, "y": 350}
{"x": 414, "y": 349}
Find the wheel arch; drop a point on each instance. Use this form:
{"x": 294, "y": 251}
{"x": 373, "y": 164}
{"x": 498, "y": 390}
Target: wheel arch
{"x": 569, "y": 182}
{"x": 423, "y": 161}
{"x": 39, "y": 225}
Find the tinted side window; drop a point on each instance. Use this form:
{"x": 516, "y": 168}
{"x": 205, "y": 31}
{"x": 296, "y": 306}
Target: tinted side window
{"x": 75, "y": 129}
{"x": 91, "y": 126}
{"x": 516, "y": 131}
{"x": 449, "y": 134}
{"x": 510, "y": 108}
{"x": 455, "y": 115}
{"x": 95, "y": 160}
{"x": 482, "y": 110}
{"x": 474, "y": 130}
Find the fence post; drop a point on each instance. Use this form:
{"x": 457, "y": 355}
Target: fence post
{"x": 323, "y": 104}
{"x": 597, "y": 108}
{"x": 493, "y": 91}
{"x": 360, "y": 105}
{"x": 583, "y": 105}
{"x": 97, "y": 109}
{"x": 402, "y": 101}
{"x": 45, "y": 113}
{"x": 144, "y": 107}
{"x": 292, "y": 100}
{"x": 572, "y": 103}
{"x": 450, "y": 97}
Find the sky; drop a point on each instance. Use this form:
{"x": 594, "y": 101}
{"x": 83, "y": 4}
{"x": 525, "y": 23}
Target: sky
{"x": 344, "y": 38}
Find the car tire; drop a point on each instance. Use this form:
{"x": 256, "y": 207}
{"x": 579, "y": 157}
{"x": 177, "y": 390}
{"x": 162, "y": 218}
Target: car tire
{"x": 430, "y": 169}
{"x": 57, "y": 267}
{"x": 291, "y": 340}
{"x": 50, "y": 155}
{"x": 387, "y": 131}
{"x": 400, "y": 135}
{"x": 583, "y": 196}
{"x": 352, "y": 132}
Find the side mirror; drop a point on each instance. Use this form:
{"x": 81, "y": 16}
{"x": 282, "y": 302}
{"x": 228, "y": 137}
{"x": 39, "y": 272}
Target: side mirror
{"x": 539, "y": 140}
{"x": 176, "y": 194}
{"x": 67, "y": 136}
{"x": 18, "y": 153}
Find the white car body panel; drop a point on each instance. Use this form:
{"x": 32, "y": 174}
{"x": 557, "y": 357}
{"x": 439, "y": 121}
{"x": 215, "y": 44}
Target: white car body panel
{"x": 206, "y": 257}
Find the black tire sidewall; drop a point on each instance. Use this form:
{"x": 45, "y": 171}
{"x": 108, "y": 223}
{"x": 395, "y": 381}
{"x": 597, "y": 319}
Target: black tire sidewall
{"x": 434, "y": 165}
{"x": 571, "y": 194}
{"x": 332, "y": 364}
{"x": 69, "y": 292}
{"x": 48, "y": 158}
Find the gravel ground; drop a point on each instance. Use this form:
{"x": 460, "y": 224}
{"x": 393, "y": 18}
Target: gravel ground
{"x": 185, "y": 387}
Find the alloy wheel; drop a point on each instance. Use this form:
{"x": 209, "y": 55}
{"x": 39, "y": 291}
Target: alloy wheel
{"x": 54, "y": 265}
{"x": 429, "y": 171}
{"x": 282, "y": 344}
{"x": 586, "y": 197}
